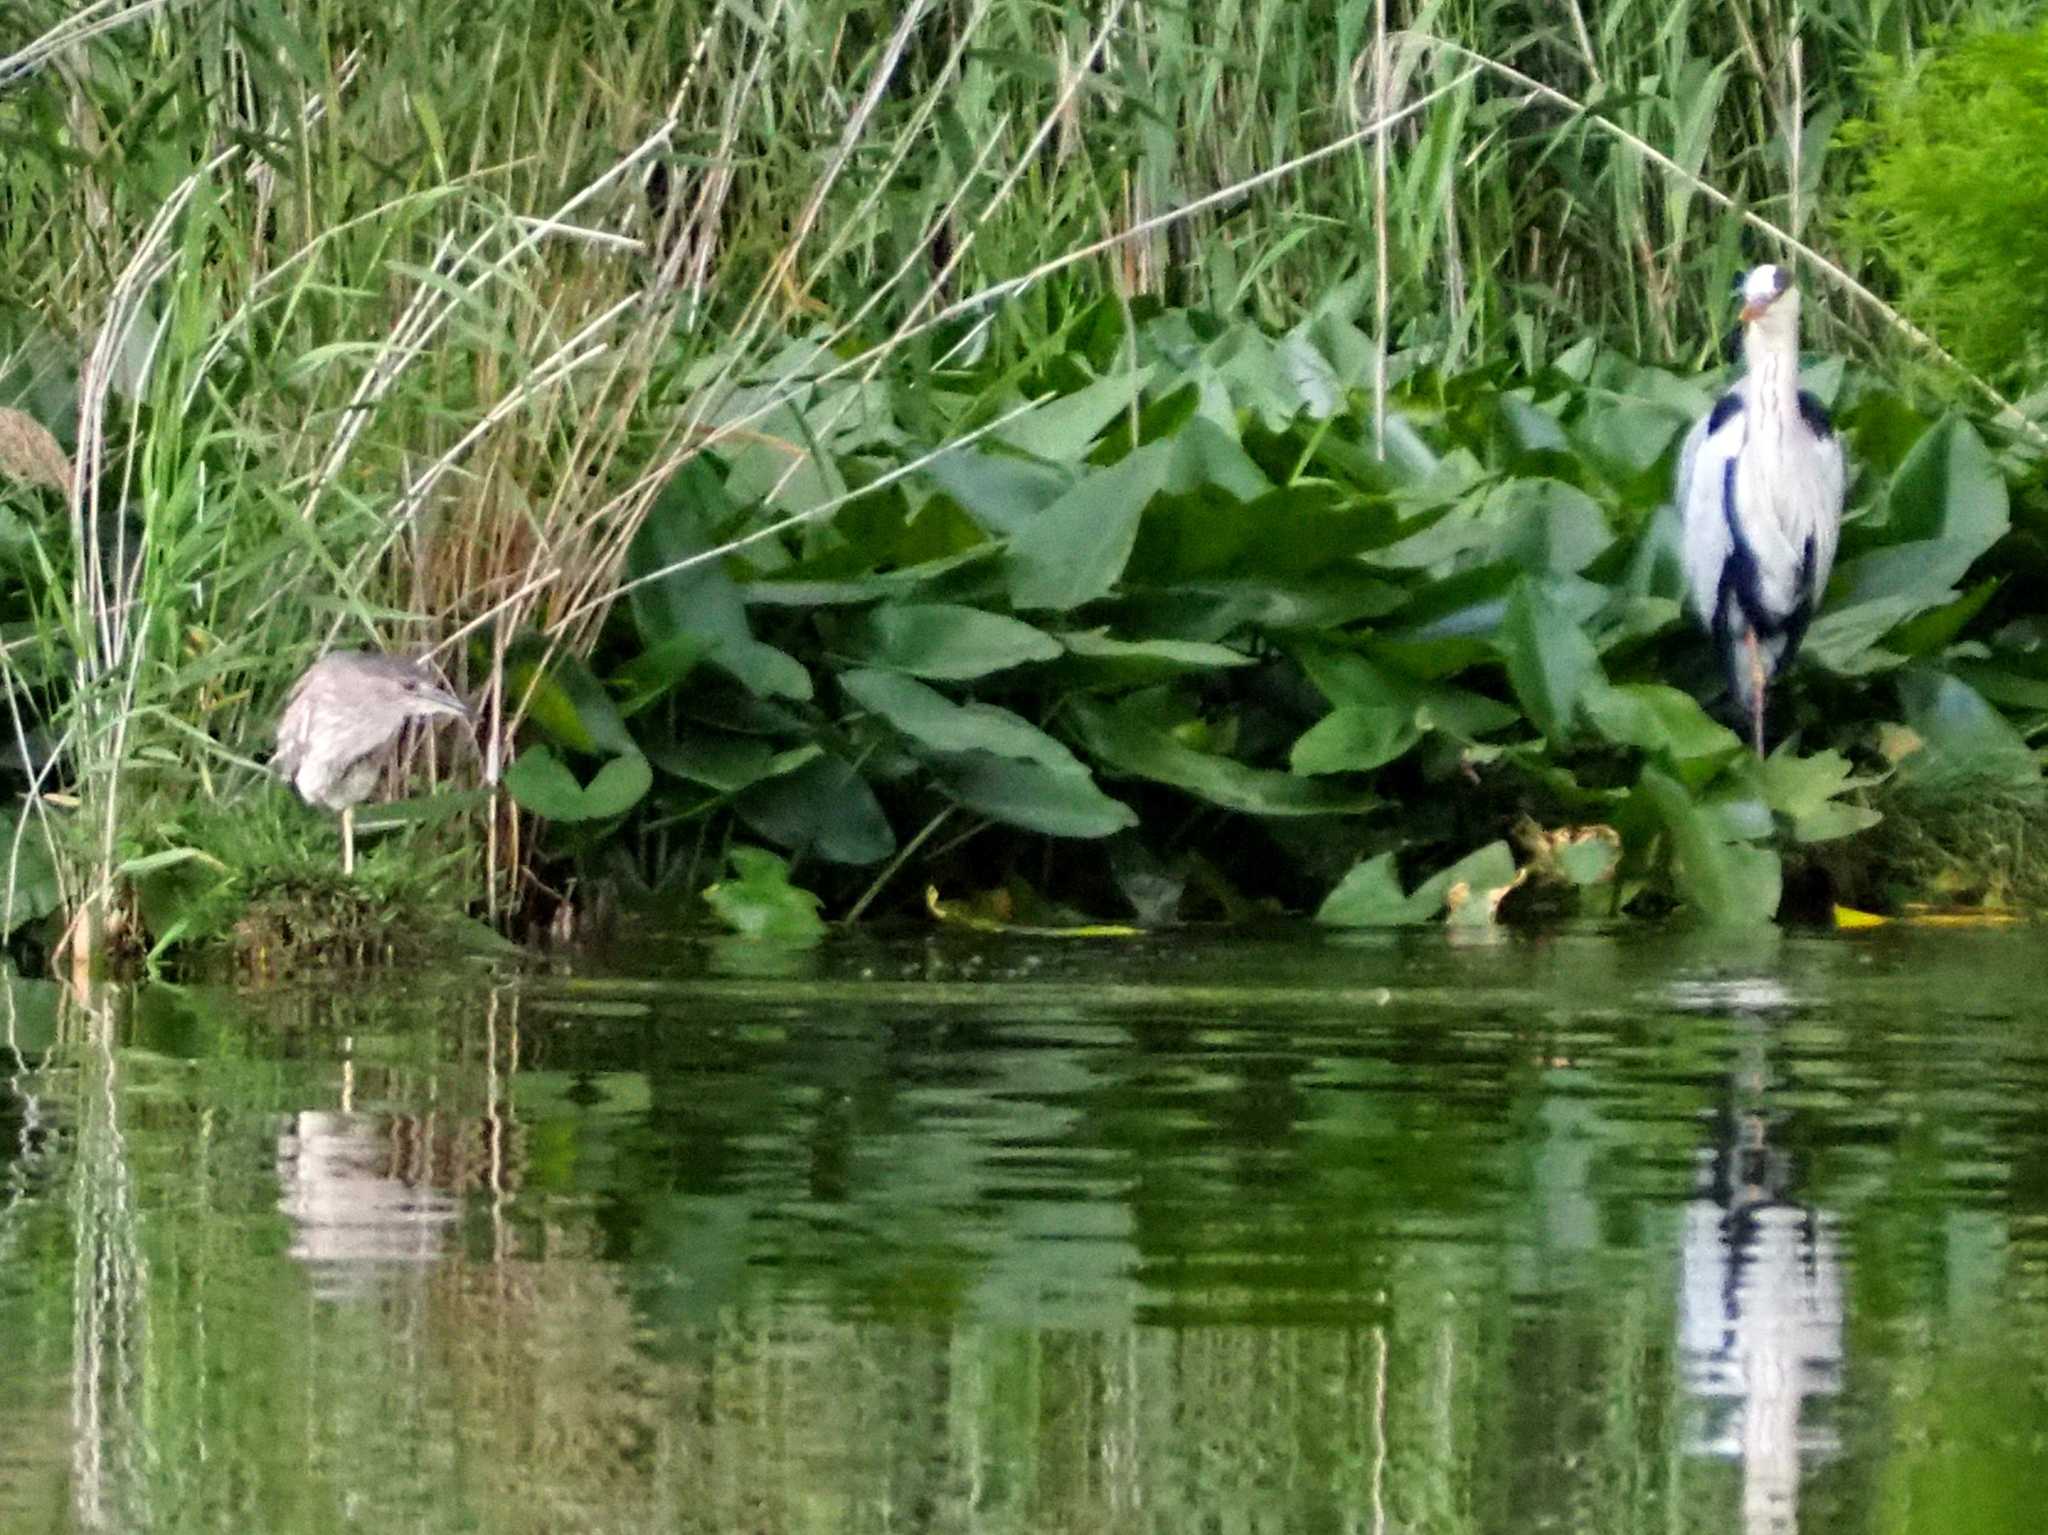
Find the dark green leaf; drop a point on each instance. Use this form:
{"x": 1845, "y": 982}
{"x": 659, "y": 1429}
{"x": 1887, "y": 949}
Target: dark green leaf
{"x": 935, "y": 721}
{"x": 1354, "y": 740}
{"x": 1058, "y": 802}
{"x": 1963, "y": 740}
{"x": 1074, "y": 551}
{"x": 825, "y": 809}
{"x": 541, "y": 782}
{"x": 1726, "y": 882}
{"x": 948, "y": 642}
{"x": 1124, "y": 739}
{"x": 1654, "y": 718}
{"x": 1550, "y": 661}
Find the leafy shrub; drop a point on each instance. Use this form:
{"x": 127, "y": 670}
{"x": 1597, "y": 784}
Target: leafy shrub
{"x": 1955, "y": 199}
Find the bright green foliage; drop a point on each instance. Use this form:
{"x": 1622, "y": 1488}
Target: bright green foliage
{"x": 760, "y": 902}
{"x": 1267, "y": 623}
{"x": 1955, "y": 196}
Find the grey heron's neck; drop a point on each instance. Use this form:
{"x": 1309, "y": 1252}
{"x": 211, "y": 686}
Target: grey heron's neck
{"x": 1770, "y": 347}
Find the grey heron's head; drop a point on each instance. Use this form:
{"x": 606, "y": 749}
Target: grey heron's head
{"x": 1769, "y": 299}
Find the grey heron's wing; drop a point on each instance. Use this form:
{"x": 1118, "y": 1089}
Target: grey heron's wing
{"x": 1833, "y": 472}
{"x": 1704, "y": 542}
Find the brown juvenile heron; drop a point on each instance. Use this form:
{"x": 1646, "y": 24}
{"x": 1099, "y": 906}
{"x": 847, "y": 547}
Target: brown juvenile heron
{"x": 340, "y": 723}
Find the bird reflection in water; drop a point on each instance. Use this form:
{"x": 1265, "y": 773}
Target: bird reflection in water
{"x": 1760, "y": 1306}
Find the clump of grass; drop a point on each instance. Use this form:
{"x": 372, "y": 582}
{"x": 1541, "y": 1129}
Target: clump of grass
{"x": 259, "y": 891}
{"x": 1985, "y": 848}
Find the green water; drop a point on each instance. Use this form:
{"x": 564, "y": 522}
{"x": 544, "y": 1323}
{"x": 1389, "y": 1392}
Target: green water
{"x": 1573, "y": 1233}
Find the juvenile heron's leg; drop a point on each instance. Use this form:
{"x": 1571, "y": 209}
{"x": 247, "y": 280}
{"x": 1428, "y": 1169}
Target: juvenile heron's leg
{"x": 348, "y": 840}
{"x": 1756, "y": 690}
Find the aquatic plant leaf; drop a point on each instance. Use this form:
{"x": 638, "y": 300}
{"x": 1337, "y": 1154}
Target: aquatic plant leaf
{"x": 1550, "y": 662}
{"x": 1655, "y": 718}
{"x": 947, "y": 641}
{"x": 1949, "y": 489}
{"x": 1352, "y": 679}
{"x": 656, "y": 672}
{"x": 1074, "y": 551}
{"x": 1095, "y": 659}
{"x": 759, "y": 902}
{"x": 1937, "y": 628}
{"x": 1058, "y": 802}
{"x": 1062, "y": 429}
{"x": 541, "y": 782}
{"x": 1724, "y": 881}
{"x": 1123, "y": 738}
{"x": 1355, "y": 740}
{"x": 824, "y": 808}
{"x": 681, "y": 586}
{"x": 32, "y": 891}
{"x": 1549, "y": 527}
{"x": 933, "y": 720}
{"x": 1371, "y": 896}
{"x": 559, "y": 695}
{"x": 727, "y": 763}
{"x": 1963, "y": 741}
{"x": 999, "y": 492}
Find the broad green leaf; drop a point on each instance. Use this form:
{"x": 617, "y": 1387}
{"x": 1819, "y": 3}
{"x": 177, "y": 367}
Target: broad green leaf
{"x": 1654, "y": 718}
{"x": 566, "y": 702}
{"x": 1058, "y": 802}
{"x": 1725, "y": 882}
{"x": 1548, "y": 527}
{"x": 1203, "y": 458}
{"x": 1074, "y": 551}
{"x": 1094, "y": 659}
{"x": 700, "y": 598}
{"x": 933, "y": 720}
{"x": 1588, "y": 861}
{"x": 760, "y": 902}
{"x": 1963, "y": 740}
{"x": 656, "y": 672}
{"x": 1370, "y": 895}
{"x": 946, "y": 641}
{"x": 1355, "y": 740}
{"x": 25, "y": 858}
{"x": 727, "y": 763}
{"x": 1001, "y": 493}
{"x": 1803, "y": 790}
{"x": 824, "y": 809}
{"x": 1550, "y": 661}
{"x": 542, "y": 783}
{"x": 1124, "y": 739}
{"x": 1936, "y": 629}
{"x": 1063, "y": 429}
{"x": 1351, "y": 680}
{"x": 1949, "y": 488}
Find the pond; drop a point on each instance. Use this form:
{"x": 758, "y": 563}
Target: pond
{"x": 1580, "y": 1231}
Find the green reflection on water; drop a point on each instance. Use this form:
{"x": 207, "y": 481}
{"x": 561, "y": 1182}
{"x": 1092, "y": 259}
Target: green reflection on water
{"x": 1574, "y": 1232}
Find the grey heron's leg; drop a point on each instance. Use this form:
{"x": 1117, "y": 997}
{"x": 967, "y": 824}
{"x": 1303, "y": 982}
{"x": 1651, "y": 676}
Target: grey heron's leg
{"x": 348, "y": 840}
{"x": 1756, "y": 689}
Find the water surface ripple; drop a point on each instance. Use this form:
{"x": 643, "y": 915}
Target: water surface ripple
{"x": 1591, "y": 1231}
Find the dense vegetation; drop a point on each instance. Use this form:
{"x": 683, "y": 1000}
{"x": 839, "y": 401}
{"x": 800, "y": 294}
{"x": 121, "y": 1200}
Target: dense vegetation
{"x": 1141, "y": 459}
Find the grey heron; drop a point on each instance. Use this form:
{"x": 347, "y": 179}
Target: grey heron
{"x": 1760, "y": 484}
{"x": 340, "y": 722}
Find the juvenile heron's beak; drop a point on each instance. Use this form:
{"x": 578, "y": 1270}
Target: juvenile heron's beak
{"x": 1754, "y": 309}
{"x": 433, "y": 700}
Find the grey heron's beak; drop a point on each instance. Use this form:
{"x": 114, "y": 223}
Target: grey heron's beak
{"x": 1755, "y": 308}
